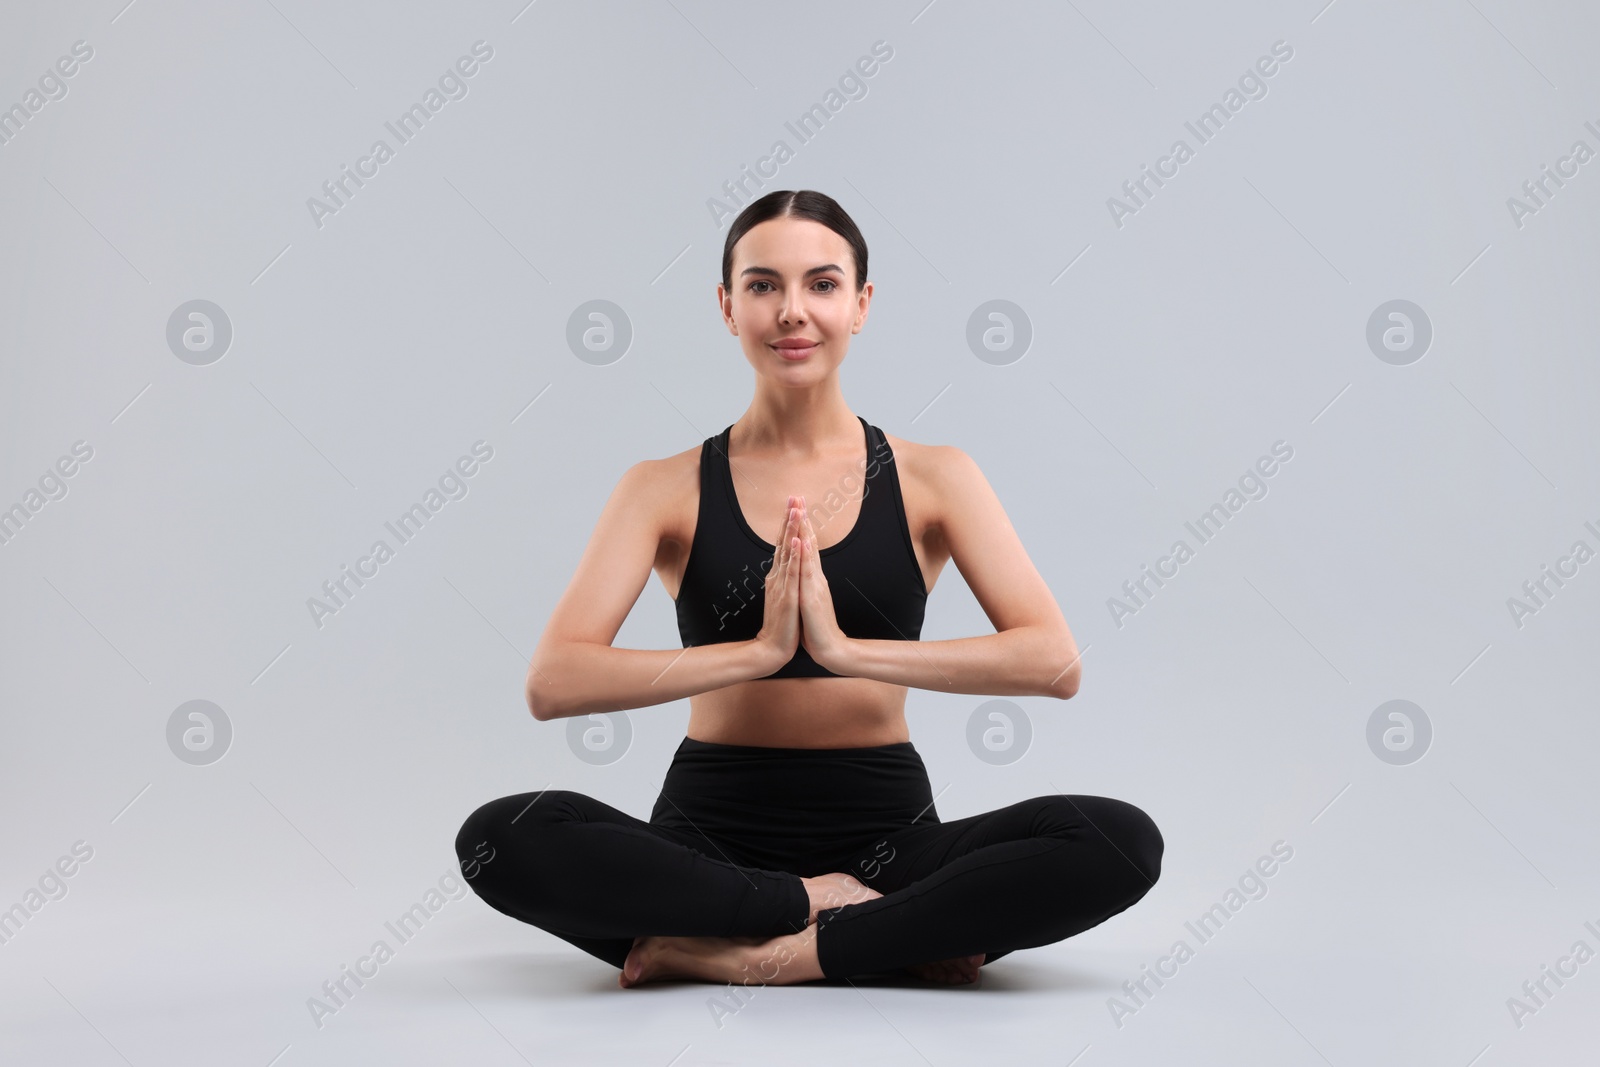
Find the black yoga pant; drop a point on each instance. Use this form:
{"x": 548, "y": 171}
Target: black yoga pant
{"x": 736, "y": 827}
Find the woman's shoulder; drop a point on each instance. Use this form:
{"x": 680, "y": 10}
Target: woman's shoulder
{"x": 929, "y": 464}
{"x": 666, "y": 491}
{"x": 666, "y": 474}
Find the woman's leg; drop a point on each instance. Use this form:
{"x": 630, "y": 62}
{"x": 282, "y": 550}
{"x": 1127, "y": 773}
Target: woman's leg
{"x": 597, "y": 877}
{"x": 1029, "y": 874}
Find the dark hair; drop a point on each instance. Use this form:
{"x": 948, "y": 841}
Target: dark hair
{"x": 801, "y": 204}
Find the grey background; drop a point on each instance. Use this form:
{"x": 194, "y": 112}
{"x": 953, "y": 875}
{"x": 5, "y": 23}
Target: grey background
{"x": 369, "y": 354}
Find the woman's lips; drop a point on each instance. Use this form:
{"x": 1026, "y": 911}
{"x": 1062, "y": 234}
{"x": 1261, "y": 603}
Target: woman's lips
{"x": 795, "y": 353}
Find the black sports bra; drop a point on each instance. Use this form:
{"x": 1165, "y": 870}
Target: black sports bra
{"x": 877, "y": 585}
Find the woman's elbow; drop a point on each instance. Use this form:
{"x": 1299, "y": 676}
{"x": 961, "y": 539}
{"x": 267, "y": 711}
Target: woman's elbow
{"x": 538, "y": 703}
{"x": 1064, "y": 686}
{"x": 538, "y": 708}
{"x": 540, "y": 693}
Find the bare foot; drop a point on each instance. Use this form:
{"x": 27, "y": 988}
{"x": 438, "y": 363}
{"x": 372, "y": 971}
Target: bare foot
{"x": 743, "y": 960}
{"x": 835, "y": 890}
{"x": 717, "y": 959}
{"x": 963, "y": 970}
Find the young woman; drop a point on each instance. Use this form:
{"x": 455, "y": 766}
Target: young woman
{"x": 795, "y": 836}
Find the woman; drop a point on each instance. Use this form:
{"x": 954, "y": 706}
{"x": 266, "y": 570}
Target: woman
{"x": 795, "y": 836}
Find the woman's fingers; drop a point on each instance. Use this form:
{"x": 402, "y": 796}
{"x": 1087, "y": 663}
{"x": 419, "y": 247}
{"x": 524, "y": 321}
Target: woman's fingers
{"x": 811, "y": 572}
{"x": 798, "y": 556}
{"x": 780, "y": 561}
{"x": 799, "y": 531}
{"x": 788, "y": 523}
{"x": 790, "y": 558}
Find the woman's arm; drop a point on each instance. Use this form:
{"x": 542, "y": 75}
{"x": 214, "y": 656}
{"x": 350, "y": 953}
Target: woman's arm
{"x": 575, "y": 671}
{"x": 584, "y": 677}
{"x": 1018, "y": 661}
{"x": 1031, "y": 654}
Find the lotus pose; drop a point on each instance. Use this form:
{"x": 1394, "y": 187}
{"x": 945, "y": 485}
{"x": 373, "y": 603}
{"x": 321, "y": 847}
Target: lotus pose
{"x": 795, "y": 837}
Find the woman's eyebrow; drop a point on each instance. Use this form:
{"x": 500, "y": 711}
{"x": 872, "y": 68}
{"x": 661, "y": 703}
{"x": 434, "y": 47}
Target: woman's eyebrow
{"x": 825, "y": 268}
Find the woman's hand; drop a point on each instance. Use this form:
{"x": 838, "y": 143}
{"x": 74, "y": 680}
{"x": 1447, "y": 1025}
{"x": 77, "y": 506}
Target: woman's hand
{"x": 819, "y": 627}
{"x": 780, "y": 623}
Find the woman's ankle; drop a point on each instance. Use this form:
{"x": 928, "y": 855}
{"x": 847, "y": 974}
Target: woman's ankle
{"x": 783, "y": 960}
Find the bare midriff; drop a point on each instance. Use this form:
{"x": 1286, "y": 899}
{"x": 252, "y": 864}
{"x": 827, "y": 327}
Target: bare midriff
{"x": 801, "y": 713}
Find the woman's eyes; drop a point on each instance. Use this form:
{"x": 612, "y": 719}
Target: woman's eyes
{"x": 832, "y": 285}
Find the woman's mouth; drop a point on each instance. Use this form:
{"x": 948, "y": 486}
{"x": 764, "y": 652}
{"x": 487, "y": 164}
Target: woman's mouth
{"x": 795, "y": 350}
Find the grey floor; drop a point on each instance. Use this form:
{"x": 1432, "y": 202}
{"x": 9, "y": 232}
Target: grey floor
{"x": 1374, "y": 943}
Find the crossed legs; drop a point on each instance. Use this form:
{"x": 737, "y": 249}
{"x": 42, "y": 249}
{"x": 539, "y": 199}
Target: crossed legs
{"x": 1029, "y": 874}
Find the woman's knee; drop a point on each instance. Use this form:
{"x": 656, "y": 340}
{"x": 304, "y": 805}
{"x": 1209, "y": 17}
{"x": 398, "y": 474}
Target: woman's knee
{"x": 508, "y": 824}
{"x": 1129, "y": 829}
{"x": 1139, "y": 838}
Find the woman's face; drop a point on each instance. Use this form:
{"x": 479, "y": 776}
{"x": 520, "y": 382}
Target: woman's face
{"x": 794, "y": 281}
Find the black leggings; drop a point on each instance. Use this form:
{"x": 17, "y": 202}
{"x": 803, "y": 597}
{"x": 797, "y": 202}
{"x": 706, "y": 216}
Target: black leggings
{"x": 737, "y": 826}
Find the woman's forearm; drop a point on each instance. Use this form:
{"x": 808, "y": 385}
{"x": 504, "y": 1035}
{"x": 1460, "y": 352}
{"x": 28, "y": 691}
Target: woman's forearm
{"x": 581, "y": 678}
{"x": 1021, "y": 661}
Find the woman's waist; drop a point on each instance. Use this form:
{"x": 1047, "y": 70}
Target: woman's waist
{"x": 813, "y": 786}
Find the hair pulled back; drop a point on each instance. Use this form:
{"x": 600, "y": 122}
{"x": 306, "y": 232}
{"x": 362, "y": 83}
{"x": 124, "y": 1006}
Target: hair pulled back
{"x": 799, "y": 204}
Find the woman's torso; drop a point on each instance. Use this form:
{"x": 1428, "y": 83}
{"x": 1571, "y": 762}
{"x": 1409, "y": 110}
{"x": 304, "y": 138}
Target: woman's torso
{"x": 798, "y": 712}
